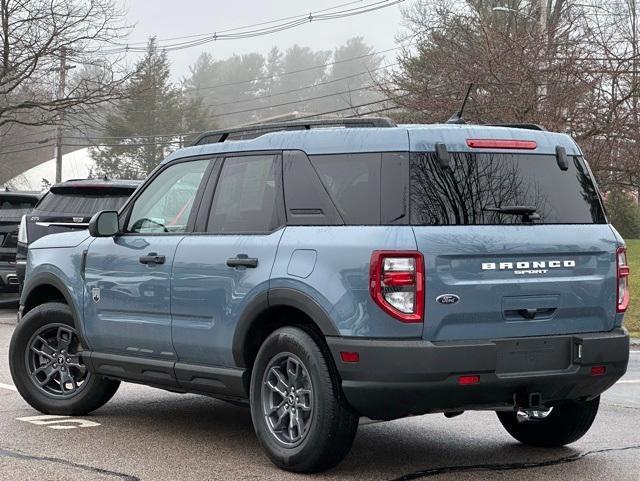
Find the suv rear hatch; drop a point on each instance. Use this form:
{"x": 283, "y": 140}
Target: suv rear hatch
{"x": 513, "y": 245}
{"x": 70, "y": 206}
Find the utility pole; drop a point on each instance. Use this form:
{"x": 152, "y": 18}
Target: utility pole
{"x": 544, "y": 36}
{"x": 61, "y": 93}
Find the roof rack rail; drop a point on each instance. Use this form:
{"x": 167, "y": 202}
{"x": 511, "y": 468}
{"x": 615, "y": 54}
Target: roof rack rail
{"x": 253, "y": 131}
{"x": 521, "y": 126}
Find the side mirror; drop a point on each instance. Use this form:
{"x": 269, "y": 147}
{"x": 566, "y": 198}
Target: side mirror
{"x": 104, "y": 224}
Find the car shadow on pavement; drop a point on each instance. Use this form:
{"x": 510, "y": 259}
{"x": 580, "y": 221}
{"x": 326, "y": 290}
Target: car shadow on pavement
{"x": 406, "y": 449}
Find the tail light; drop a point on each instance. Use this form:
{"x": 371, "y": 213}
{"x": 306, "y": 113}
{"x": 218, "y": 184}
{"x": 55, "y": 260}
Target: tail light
{"x": 22, "y": 231}
{"x": 396, "y": 284}
{"x": 623, "y": 280}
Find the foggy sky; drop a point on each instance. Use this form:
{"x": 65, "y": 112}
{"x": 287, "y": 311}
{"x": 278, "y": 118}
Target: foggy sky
{"x": 171, "y": 18}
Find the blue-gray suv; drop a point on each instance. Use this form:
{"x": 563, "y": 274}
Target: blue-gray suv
{"x": 328, "y": 270}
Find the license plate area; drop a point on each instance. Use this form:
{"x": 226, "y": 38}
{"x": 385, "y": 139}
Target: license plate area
{"x": 533, "y": 355}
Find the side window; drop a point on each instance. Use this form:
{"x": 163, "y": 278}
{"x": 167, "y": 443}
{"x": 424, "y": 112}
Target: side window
{"x": 247, "y": 197}
{"x": 353, "y": 182}
{"x": 166, "y": 203}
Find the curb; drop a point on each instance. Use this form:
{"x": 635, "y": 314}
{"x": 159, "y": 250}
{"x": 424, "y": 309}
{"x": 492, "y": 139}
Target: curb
{"x": 635, "y": 341}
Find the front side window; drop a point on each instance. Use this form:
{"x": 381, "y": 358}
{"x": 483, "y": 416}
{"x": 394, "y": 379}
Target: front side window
{"x": 166, "y": 204}
{"x": 503, "y": 189}
{"x": 247, "y": 198}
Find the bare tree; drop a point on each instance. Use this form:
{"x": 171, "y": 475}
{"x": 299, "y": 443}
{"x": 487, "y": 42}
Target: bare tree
{"x": 569, "y": 65}
{"x": 35, "y": 35}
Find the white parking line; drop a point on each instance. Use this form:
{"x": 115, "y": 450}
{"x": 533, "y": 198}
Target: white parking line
{"x": 629, "y": 381}
{"x": 10, "y": 387}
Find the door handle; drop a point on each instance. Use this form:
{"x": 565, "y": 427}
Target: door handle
{"x": 152, "y": 258}
{"x": 242, "y": 260}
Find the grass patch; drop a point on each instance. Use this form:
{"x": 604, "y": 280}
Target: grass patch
{"x": 632, "y": 316}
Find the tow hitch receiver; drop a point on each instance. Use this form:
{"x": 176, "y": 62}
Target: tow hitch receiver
{"x": 528, "y": 400}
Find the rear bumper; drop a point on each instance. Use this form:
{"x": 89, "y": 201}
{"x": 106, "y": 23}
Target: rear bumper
{"x": 396, "y": 378}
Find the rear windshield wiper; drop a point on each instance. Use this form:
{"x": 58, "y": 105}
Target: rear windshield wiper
{"x": 528, "y": 212}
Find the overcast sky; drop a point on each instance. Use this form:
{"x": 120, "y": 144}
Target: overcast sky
{"x": 170, "y": 18}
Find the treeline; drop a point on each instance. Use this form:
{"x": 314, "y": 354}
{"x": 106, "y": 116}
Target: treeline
{"x": 157, "y": 115}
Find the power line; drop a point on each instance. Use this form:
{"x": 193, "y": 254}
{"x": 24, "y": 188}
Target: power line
{"x": 260, "y": 24}
{"x": 285, "y": 24}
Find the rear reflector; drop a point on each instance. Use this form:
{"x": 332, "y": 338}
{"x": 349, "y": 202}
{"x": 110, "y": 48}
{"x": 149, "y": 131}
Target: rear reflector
{"x": 502, "y": 144}
{"x": 467, "y": 380}
{"x": 598, "y": 370}
{"x": 349, "y": 356}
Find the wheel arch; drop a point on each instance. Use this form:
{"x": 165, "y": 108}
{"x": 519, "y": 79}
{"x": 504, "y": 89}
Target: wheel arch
{"x": 46, "y": 287}
{"x": 273, "y": 309}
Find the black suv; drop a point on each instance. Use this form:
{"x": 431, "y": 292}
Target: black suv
{"x": 69, "y": 206}
{"x": 13, "y": 205}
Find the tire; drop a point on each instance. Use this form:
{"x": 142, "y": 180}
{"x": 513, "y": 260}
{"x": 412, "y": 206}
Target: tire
{"x": 329, "y": 425}
{"x": 49, "y": 329}
{"x": 566, "y": 423}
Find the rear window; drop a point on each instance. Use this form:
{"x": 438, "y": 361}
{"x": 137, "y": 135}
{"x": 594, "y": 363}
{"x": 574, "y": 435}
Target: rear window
{"x": 482, "y": 182}
{"x": 16, "y": 207}
{"x": 81, "y": 204}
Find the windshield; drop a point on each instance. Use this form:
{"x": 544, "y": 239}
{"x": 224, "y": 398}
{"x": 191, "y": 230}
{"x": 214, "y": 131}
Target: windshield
{"x": 496, "y": 188}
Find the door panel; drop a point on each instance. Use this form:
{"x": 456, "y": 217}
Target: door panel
{"x": 208, "y": 296}
{"x": 130, "y": 310}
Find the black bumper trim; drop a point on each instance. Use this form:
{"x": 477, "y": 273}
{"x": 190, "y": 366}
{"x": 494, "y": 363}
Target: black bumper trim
{"x": 397, "y": 378}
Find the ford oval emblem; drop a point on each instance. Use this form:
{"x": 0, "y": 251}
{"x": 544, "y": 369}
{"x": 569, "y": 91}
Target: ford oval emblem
{"x": 447, "y": 299}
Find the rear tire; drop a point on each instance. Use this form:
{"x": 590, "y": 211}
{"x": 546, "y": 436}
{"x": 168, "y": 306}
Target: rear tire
{"x": 292, "y": 363}
{"x": 45, "y": 358}
{"x": 566, "y": 423}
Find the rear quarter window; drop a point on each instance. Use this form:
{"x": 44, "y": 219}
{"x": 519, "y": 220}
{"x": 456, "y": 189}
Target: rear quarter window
{"x": 353, "y": 183}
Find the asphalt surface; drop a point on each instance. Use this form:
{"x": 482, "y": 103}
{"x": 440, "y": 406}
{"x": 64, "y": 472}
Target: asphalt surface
{"x": 149, "y": 434}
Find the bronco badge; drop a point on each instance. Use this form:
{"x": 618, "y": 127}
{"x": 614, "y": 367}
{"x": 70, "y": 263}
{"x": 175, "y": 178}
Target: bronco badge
{"x": 95, "y": 294}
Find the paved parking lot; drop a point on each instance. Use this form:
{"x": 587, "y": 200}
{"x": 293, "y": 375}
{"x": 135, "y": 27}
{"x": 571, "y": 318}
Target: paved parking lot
{"x": 149, "y": 434}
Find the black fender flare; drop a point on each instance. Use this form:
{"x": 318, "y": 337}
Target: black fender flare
{"x": 47, "y": 278}
{"x": 278, "y": 297}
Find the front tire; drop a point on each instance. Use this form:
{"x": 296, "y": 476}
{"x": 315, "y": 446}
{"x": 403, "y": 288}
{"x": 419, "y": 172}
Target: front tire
{"x": 565, "y": 424}
{"x": 45, "y": 358}
{"x": 299, "y": 413}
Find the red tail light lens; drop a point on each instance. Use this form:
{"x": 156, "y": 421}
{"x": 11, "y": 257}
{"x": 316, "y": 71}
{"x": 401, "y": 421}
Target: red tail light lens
{"x": 502, "y": 144}
{"x": 623, "y": 280}
{"x": 396, "y": 284}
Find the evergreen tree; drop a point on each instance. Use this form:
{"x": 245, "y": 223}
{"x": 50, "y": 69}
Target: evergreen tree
{"x": 153, "y": 108}
{"x": 624, "y": 214}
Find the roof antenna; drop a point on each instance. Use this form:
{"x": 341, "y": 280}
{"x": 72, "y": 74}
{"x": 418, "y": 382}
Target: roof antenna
{"x": 457, "y": 117}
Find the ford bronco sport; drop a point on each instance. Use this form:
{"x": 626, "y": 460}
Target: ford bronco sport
{"x": 331, "y": 270}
